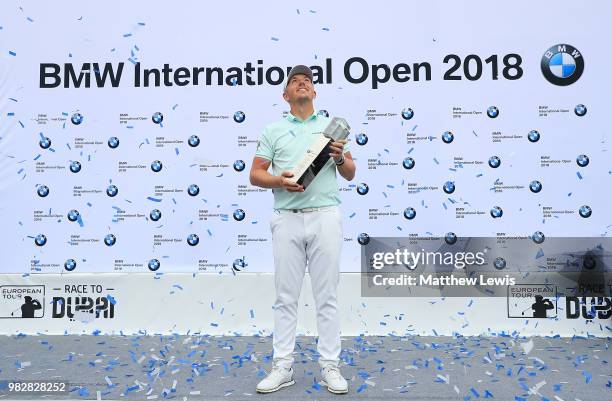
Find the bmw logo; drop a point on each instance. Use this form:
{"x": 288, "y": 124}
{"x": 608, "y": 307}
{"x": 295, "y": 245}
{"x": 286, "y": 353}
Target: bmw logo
{"x": 239, "y": 215}
{"x": 585, "y": 211}
{"x": 494, "y": 161}
{"x": 582, "y": 160}
{"x": 496, "y": 212}
{"x": 533, "y": 136}
{"x": 361, "y": 139}
{"x": 499, "y": 263}
{"x": 75, "y": 166}
{"x": 589, "y": 262}
{"x": 113, "y": 142}
{"x": 409, "y": 213}
{"x": 153, "y": 264}
{"x": 580, "y": 110}
{"x": 40, "y": 240}
{"x": 562, "y": 65}
{"x": 155, "y": 214}
{"x": 193, "y": 239}
{"x": 73, "y": 215}
{"x": 408, "y": 163}
{"x": 449, "y": 187}
{"x": 238, "y": 265}
{"x": 45, "y": 143}
{"x": 42, "y": 191}
{"x": 110, "y": 240}
{"x": 193, "y": 141}
{"x": 363, "y": 188}
{"x": 363, "y": 239}
{"x": 450, "y": 238}
{"x": 239, "y": 116}
{"x": 239, "y": 165}
{"x": 407, "y": 113}
{"x": 112, "y": 190}
{"x": 157, "y": 117}
{"x": 70, "y": 265}
{"x": 447, "y": 137}
{"x": 538, "y": 237}
{"x": 76, "y": 118}
{"x": 492, "y": 112}
{"x": 323, "y": 112}
{"x": 193, "y": 190}
{"x": 156, "y": 166}
{"x": 535, "y": 186}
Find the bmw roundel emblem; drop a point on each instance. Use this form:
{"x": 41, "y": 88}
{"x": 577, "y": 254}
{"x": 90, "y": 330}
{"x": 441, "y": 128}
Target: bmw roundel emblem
{"x": 535, "y": 186}
{"x": 585, "y": 211}
{"x": 494, "y": 161}
{"x": 157, "y": 117}
{"x": 193, "y": 190}
{"x": 499, "y": 263}
{"x": 153, "y": 264}
{"x": 239, "y": 116}
{"x": 580, "y": 110}
{"x": 193, "y": 239}
{"x": 449, "y": 187}
{"x": 533, "y": 136}
{"x": 76, "y": 118}
{"x": 45, "y": 143}
{"x": 447, "y": 137}
{"x": 42, "y": 191}
{"x": 110, "y": 240}
{"x": 538, "y": 237}
{"x": 450, "y": 238}
{"x": 323, "y": 112}
{"x": 363, "y": 239}
{"x": 492, "y": 112}
{"x": 562, "y": 64}
{"x": 238, "y": 265}
{"x": 363, "y": 188}
{"x": 70, "y": 265}
{"x": 73, "y": 215}
{"x": 239, "y": 165}
{"x": 408, "y": 163}
{"x": 193, "y": 141}
{"x": 156, "y": 166}
{"x": 113, "y": 142}
{"x": 409, "y": 213}
{"x": 112, "y": 190}
{"x": 407, "y": 113}
{"x": 155, "y": 214}
{"x": 361, "y": 139}
{"x": 75, "y": 166}
{"x": 239, "y": 214}
{"x": 582, "y": 160}
{"x": 496, "y": 212}
{"x": 40, "y": 240}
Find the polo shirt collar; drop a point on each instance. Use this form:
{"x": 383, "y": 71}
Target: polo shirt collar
{"x": 293, "y": 118}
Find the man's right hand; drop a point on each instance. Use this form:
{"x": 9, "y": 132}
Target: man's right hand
{"x": 288, "y": 184}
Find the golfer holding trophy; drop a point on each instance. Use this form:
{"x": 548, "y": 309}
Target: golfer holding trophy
{"x": 305, "y": 150}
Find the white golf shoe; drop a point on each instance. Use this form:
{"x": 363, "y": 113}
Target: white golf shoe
{"x": 278, "y": 378}
{"x": 333, "y": 380}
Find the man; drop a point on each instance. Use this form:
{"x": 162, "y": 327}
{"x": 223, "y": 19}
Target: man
{"x": 306, "y": 230}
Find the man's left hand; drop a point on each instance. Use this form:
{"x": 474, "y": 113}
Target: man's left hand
{"x": 337, "y": 148}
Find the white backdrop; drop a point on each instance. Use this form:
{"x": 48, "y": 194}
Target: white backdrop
{"x": 195, "y": 34}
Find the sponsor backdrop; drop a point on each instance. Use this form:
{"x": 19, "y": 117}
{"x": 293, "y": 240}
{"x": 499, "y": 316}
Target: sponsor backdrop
{"x": 127, "y": 134}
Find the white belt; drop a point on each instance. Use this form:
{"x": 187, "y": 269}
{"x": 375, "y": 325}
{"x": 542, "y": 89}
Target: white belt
{"x": 306, "y": 209}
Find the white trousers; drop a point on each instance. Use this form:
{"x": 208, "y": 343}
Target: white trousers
{"x": 300, "y": 239}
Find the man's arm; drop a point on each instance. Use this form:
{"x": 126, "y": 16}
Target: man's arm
{"x": 260, "y": 176}
{"x": 346, "y": 169}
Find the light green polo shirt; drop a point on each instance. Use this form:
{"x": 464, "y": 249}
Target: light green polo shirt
{"x": 284, "y": 143}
